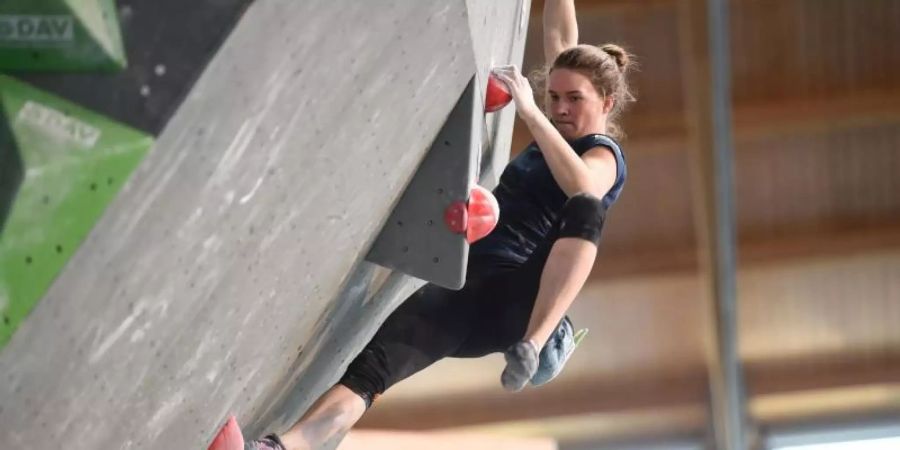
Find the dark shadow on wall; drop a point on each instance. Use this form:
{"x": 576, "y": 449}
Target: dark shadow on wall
{"x": 11, "y": 171}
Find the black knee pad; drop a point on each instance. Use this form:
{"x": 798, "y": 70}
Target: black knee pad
{"x": 582, "y": 217}
{"x": 365, "y": 375}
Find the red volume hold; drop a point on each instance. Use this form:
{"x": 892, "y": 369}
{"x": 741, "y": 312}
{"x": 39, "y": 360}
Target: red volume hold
{"x": 229, "y": 437}
{"x": 456, "y": 217}
{"x": 483, "y": 212}
{"x": 497, "y": 95}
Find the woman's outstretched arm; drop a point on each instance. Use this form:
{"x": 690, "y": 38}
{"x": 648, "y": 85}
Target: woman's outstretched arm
{"x": 560, "y": 28}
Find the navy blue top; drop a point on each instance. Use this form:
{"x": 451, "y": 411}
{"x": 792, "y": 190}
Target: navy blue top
{"x": 530, "y": 201}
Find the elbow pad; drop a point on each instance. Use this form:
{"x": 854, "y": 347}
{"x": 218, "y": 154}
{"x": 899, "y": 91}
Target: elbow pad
{"x": 582, "y": 217}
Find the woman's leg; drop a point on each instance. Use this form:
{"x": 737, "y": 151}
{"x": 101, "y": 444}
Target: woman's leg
{"x": 428, "y": 326}
{"x": 331, "y": 416}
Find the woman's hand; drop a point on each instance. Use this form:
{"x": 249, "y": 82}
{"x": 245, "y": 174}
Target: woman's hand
{"x": 520, "y": 89}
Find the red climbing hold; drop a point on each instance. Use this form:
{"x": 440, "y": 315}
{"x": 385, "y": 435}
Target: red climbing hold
{"x": 497, "y": 95}
{"x": 456, "y": 217}
{"x": 229, "y": 437}
{"x": 475, "y": 218}
{"x": 483, "y": 212}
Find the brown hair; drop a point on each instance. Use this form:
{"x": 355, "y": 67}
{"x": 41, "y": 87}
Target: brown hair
{"x": 607, "y": 66}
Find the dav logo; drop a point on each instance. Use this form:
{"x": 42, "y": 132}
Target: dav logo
{"x": 36, "y": 29}
{"x": 58, "y": 125}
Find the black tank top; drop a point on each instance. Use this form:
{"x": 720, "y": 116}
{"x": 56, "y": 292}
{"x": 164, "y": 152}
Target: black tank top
{"x": 530, "y": 201}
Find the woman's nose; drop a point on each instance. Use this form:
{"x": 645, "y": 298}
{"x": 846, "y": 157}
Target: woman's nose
{"x": 560, "y": 109}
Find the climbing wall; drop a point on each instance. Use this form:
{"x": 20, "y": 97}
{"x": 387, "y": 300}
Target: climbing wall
{"x": 228, "y": 275}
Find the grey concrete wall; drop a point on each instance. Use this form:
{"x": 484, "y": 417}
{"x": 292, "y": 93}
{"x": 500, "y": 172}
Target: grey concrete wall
{"x": 227, "y": 277}
{"x": 498, "y": 30}
{"x": 168, "y": 44}
{"x": 371, "y": 293}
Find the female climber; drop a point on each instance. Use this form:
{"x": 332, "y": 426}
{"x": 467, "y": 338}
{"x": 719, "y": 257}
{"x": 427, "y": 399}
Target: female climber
{"x": 522, "y": 277}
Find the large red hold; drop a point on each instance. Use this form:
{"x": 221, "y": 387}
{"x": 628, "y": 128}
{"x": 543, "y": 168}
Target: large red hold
{"x": 483, "y": 214}
{"x": 497, "y": 95}
{"x": 229, "y": 437}
{"x": 475, "y": 218}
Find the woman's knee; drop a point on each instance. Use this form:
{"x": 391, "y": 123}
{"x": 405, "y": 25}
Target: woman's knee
{"x": 348, "y": 407}
{"x": 582, "y": 217}
{"x": 332, "y": 415}
{"x": 368, "y": 374}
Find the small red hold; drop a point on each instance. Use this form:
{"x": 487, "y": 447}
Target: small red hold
{"x": 456, "y": 217}
{"x": 229, "y": 437}
{"x": 483, "y": 212}
{"x": 497, "y": 95}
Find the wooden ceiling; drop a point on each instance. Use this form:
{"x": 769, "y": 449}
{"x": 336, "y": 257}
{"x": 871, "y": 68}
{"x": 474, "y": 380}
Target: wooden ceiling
{"x": 816, "y": 121}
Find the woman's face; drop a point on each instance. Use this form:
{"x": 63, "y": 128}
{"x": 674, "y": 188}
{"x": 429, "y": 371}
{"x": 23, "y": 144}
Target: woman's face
{"x": 575, "y": 106}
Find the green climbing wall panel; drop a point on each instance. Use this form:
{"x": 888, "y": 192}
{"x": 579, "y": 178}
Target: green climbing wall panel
{"x": 60, "y": 35}
{"x": 61, "y": 166}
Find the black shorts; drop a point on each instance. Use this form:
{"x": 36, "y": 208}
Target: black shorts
{"x": 489, "y": 314}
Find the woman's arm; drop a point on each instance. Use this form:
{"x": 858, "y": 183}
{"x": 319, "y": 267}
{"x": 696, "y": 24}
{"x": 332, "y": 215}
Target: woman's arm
{"x": 560, "y": 28}
{"x": 560, "y": 33}
{"x": 567, "y": 269}
{"x": 592, "y": 173}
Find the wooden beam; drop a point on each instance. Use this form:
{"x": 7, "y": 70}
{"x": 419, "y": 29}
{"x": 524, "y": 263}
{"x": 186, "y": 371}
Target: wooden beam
{"x": 842, "y": 111}
{"x": 580, "y": 396}
{"x": 664, "y": 132}
{"x": 823, "y": 372}
{"x": 396, "y": 440}
{"x": 799, "y": 244}
{"x": 632, "y": 392}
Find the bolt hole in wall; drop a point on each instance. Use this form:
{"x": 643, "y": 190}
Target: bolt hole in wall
{"x": 93, "y": 186}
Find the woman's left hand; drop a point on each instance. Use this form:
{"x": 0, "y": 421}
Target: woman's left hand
{"x": 520, "y": 89}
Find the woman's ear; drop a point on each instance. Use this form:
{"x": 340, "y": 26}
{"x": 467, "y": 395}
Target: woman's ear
{"x": 608, "y": 103}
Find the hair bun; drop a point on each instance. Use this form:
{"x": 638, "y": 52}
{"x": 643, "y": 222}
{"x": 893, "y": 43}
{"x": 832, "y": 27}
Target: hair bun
{"x": 623, "y": 59}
